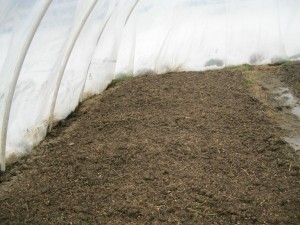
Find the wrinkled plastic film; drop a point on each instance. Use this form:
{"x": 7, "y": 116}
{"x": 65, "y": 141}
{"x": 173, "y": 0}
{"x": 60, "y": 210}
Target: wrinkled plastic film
{"x": 73, "y": 38}
{"x": 13, "y": 67}
{"x": 103, "y": 64}
{"x": 75, "y": 74}
{"x": 30, "y": 108}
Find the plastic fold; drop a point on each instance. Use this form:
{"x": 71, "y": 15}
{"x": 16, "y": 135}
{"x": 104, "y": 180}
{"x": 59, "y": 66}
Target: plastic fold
{"x": 57, "y": 53}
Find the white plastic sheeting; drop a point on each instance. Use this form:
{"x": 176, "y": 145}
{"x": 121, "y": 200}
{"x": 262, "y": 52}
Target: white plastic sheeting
{"x": 118, "y": 37}
{"x": 13, "y": 65}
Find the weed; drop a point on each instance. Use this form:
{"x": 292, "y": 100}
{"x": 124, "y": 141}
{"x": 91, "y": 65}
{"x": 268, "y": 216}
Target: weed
{"x": 61, "y": 218}
{"x": 233, "y": 67}
{"x": 118, "y": 80}
{"x": 281, "y": 63}
{"x": 244, "y": 67}
{"x": 289, "y": 107}
{"x": 249, "y": 82}
{"x": 287, "y": 63}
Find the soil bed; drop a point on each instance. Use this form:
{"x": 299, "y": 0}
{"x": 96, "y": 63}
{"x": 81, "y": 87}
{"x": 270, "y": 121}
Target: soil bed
{"x": 179, "y": 148}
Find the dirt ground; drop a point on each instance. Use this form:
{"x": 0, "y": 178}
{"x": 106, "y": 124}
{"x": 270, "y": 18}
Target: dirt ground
{"x": 291, "y": 76}
{"x": 180, "y": 148}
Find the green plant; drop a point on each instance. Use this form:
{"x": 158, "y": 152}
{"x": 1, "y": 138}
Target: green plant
{"x": 120, "y": 79}
{"x": 287, "y": 63}
{"x": 248, "y": 82}
{"x": 233, "y": 67}
{"x": 243, "y": 67}
{"x": 247, "y": 67}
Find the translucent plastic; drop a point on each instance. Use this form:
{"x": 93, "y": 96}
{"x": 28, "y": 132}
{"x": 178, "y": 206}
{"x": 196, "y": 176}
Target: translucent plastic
{"x": 69, "y": 48}
{"x": 103, "y": 64}
{"x": 75, "y": 75}
{"x": 81, "y": 45}
{"x": 13, "y": 65}
{"x": 32, "y": 99}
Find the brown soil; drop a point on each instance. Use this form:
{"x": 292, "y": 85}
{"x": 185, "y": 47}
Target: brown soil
{"x": 291, "y": 76}
{"x": 180, "y": 148}
{"x": 267, "y": 83}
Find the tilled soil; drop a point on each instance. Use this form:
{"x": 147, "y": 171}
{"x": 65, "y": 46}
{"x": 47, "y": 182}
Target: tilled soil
{"x": 180, "y": 148}
{"x": 291, "y": 76}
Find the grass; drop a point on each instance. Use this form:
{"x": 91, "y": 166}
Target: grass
{"x": 282, "y": 63}
{"x": 120, "y": 79}
{"x": 289, "y": 107}
{"x": 244, "y": 67}
{"x": 247, "y": 67}
{"x": 248, "y": 82}
{"x": 287, "y": 63}
{"x": 287, "y": 66}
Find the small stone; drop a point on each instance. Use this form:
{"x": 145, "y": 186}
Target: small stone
{"x": 231, "y": 175}
{"x": 280, "y": 162}
{"x": 24, "y": 167}
{"x": 233, "y": 219}
{"x": 149, "y": 177}
{"x": 62, "y": 123}
{"x": 89, "y": 142}
{"x": 165, "y": 172}
{"x": 71, "y": 144}
{"x": 253, "y": 219}
{"x": 260, "y": 150}
{"x": 134, "y": 213}
{"x": 294, "y": 173}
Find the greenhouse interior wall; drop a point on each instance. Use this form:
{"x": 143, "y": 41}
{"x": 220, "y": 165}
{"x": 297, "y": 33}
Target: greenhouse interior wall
{"x": 56, "y": 53}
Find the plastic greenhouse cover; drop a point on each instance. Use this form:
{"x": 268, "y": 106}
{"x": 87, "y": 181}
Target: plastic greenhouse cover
{"x": 98, "y": 40}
